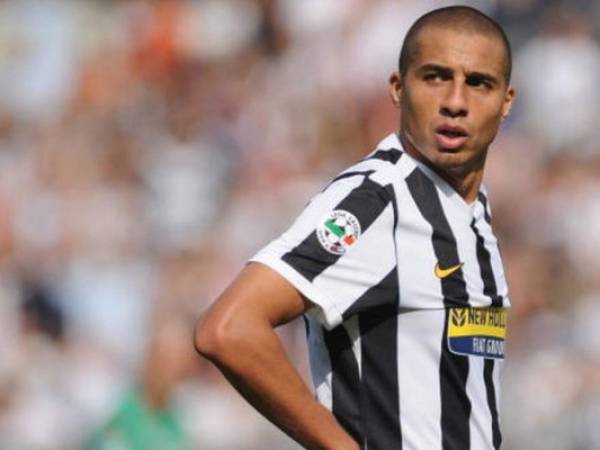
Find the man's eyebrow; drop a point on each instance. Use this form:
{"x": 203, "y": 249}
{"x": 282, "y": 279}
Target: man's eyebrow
{"x": 443, "y": 70}
{"x": 481, "y": 76}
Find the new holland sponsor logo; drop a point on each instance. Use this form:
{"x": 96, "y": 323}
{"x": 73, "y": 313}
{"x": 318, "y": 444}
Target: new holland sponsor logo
{"x": 495, "y": 317}
{"x": 477, "y": 331}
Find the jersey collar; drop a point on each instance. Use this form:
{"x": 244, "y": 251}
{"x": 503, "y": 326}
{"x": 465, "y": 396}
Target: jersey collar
{"x": 393, "y": 141}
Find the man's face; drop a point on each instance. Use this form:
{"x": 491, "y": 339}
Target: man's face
{"x": 452, "y": 99}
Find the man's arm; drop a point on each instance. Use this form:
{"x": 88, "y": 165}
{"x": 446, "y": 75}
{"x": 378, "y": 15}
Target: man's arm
{"x": 238, "y": 335}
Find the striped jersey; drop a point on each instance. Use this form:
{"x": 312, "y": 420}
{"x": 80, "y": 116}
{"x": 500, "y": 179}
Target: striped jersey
{"x": 406, "y": 338}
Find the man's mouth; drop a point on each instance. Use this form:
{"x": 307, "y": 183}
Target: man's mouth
{"x": 451, "y": 137}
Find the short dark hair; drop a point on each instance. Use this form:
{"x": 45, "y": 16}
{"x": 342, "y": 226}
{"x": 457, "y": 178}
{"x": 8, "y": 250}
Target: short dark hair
{"x": 458, "y": 17}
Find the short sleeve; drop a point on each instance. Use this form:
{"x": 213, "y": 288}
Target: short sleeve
{"x": 341, "y": 245}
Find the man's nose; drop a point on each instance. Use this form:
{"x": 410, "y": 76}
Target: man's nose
{"x": 454, "y": 103}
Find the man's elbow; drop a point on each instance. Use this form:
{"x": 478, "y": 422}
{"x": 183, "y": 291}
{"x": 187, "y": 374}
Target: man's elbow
{"x": 215, "y": 337}
{"x": 208, "y": 337}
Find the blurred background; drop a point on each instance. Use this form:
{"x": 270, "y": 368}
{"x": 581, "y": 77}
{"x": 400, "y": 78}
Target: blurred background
{"x": 149, "y": 147}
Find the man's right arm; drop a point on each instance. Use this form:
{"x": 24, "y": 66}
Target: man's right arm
{"x": 237, "y": 334}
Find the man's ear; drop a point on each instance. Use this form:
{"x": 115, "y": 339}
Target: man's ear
{"x": 509, "y": 99}
{"x": 395, "y": 88}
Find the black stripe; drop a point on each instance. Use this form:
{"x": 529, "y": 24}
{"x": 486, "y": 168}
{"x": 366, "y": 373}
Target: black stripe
{"x": 426, "y": 197}
{"x": 345, "y": 383}
{"x": 456, "y": 406}
{"x": 485, "y": 269}
{"x": 366, "y": 203}
{"x": 392, "y": 195}
{"x": 382, "y": 294}
{"x": 489, "y": 289}
{"x": 378, "y": 330}
{"x": 488, "y": 372}
{"x": 352, "y": 174}
{"x": 484, "y": 202}
{"x": 454, "y": 369}
{"x": 349, "y": 175}
{"x": 306, "y": 326}
{"x": 391, "y": 155}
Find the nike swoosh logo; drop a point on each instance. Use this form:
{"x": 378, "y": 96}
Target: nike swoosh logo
{"x": 443, "y": 273}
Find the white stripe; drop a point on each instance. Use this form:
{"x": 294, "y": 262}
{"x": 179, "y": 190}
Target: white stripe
{"x": 320, "y": 363}
{"x": 390, "y": 141}
{"x": 491, "y": 244}
{"x": 419, "y": 350}
{"x": 498, "y": 367}
{"x": 481, "y": 418}
{"x": 460, "y": 216}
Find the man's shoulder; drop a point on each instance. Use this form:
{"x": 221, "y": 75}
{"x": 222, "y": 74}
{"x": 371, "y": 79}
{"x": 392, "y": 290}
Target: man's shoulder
{"x": 383, "y": 165}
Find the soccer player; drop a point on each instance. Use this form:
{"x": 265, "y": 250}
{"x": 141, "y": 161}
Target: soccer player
{"x": 395, "y": 268}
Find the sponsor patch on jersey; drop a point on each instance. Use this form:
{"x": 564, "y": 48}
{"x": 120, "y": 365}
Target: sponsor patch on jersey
{"x": 338, "y": 231}
{"x": 477, "y": 331}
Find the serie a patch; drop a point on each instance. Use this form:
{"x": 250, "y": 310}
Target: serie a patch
{"x": 477, "y": 331}
{"x": 338, "y": 231}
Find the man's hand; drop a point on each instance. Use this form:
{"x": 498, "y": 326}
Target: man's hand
{"x": 237, "y": 334}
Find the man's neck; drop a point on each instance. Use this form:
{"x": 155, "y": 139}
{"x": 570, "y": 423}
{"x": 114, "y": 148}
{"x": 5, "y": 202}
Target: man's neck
{"x": 467, "y": 186}
{"x": 465, "y": 182}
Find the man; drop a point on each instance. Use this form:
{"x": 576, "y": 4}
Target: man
{"x": 395, "y": 267}
{"x": 145, "y": 419}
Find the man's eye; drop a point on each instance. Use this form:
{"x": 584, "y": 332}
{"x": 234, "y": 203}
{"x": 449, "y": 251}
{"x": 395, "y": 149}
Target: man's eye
{"x": 479, "y": 83}
{"x": 433, "y": 77}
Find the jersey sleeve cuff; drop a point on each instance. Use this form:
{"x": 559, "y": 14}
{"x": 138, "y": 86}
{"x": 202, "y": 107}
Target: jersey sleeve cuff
{"x": 323, "y": 311}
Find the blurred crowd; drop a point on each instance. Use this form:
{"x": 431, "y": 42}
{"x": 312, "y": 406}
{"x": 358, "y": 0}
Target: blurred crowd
{"x": 149, "y": 147}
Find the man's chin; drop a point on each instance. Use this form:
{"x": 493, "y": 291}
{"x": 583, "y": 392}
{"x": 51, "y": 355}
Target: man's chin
{"x": 453, "y": 161}
{"x": 450, "y": 150}
{"x": 450, "y": 157}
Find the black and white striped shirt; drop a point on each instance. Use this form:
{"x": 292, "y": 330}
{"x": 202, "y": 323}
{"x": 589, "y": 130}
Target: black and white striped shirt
{"x": 406, "y": 340}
